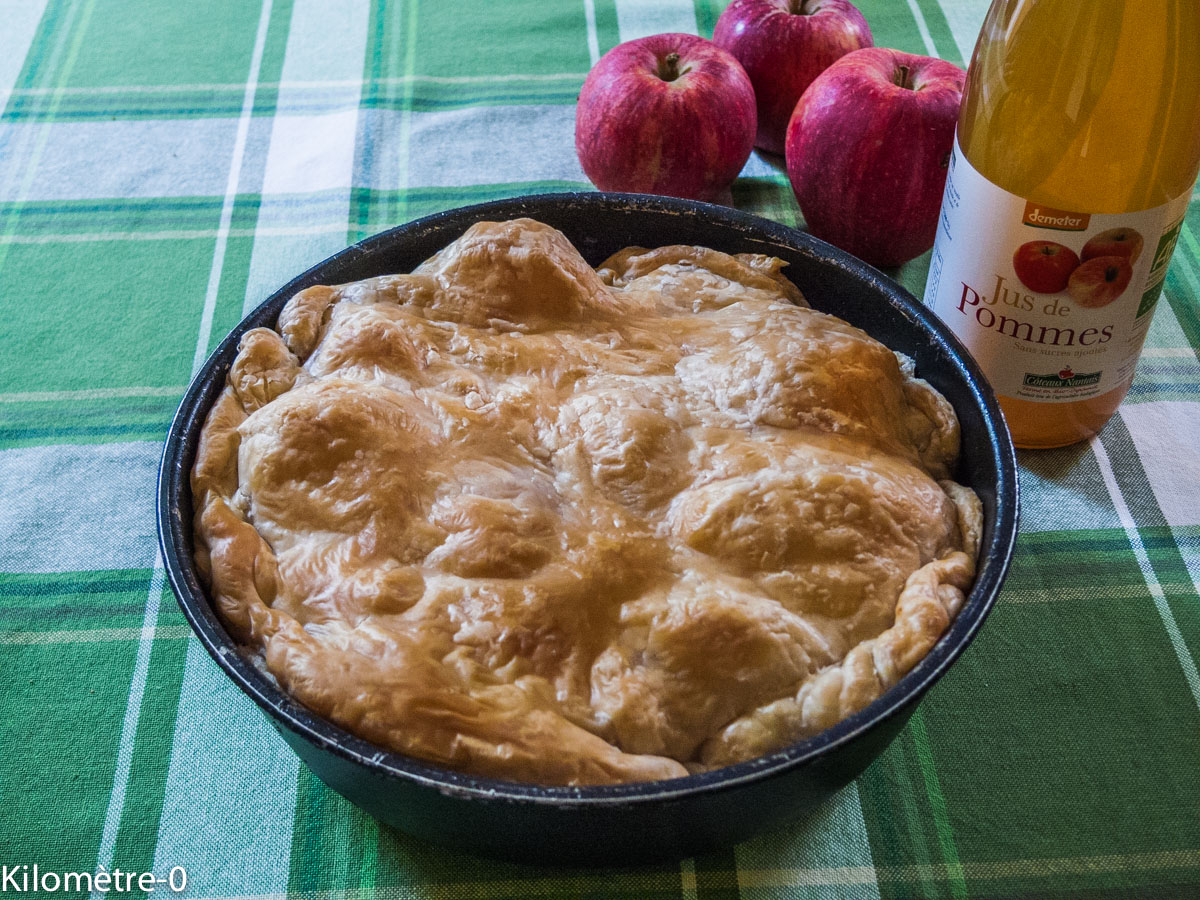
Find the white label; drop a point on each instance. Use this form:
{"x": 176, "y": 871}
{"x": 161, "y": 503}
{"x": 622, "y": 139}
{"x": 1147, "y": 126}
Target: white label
{"x": 1054, "y": 304}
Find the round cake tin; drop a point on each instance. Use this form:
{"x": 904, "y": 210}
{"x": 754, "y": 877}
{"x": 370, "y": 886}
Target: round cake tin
{"x": 628, "y": 823}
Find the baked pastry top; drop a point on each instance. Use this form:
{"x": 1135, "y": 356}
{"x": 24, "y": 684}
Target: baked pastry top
{"x": 536, "y": 521}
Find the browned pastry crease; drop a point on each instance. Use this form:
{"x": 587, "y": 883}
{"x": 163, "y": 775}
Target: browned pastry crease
{"x": 532, "y": 520}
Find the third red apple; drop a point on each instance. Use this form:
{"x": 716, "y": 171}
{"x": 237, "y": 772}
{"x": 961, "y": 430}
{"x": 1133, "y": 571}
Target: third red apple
{"x": 1099, "y": 281}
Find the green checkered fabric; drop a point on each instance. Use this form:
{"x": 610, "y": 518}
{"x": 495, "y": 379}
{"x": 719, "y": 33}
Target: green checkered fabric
{"x": 165, "y": 165}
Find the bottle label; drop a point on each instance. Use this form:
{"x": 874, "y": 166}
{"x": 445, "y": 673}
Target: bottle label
{"x": 1053, "y": 303}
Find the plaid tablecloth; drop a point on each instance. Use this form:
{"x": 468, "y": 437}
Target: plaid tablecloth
{"x": 165, "y": 165}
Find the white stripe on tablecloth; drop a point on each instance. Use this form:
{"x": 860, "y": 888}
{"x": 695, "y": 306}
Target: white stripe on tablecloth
{"x": 589, "y": 11}
{"x": 472, "y": 146}
{"x": 1051, "y": 501}
{"x": 29, "y": 144}
{"x": 776, "y": 881}
{"x": 689, "y": 889}
{"x": 93, "y": 635}
{"x": 116, "y": 393}
{"x": 240, "y": 838}
{"x": 21, "y": 19}
{"x": 191, "y": 234}
{"x": 1143, "y": 559}
{"x": 294, "y": 84}
{"x": 404, "y": 154}
{"x": 1169, "y": 352}
{"x": 93, "y": 507}
{"x": 923, "y": 28}
{"x": 641, "y": 18}
{"x": 231, "y": 189}
{"x": 128, "y": 158}
{"x": 833, "y": 838}
{"x": 310, "y": 153}
{"x": 965, "y": 18}
{"x": 1166, "y": 434}
{"x": 230, "y": 795}
{"x": 1118, "y": 593}
{"x": 133, "y": 711}
{"x": 133, "y": 708}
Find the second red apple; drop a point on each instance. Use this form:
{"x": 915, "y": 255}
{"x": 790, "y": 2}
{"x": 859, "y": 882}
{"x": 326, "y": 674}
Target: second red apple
{"x": 867, "y": 152}
{"x": 783, "y": 45}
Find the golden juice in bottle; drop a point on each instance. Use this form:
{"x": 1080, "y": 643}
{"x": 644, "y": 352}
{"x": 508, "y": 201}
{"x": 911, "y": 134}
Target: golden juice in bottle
{"x": 1077, "y": 148}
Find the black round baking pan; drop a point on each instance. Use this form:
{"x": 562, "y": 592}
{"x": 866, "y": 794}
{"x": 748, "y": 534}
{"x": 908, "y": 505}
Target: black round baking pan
{"x": 629, "y": 823}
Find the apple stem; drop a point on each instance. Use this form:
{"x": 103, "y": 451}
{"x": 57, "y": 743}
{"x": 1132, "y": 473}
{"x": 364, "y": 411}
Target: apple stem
{"x": 668, "y": 68}
{"x": 902, "y": 77}
{"x": 799, "y": 8}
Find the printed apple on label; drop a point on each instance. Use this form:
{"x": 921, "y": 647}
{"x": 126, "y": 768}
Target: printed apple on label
{"x": 1099, "y": 281}
{"x": 1044, "y": 266}
{"x": 1114, "y": 242}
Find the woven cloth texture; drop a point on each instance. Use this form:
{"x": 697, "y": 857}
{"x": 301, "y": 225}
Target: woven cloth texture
{"x": 165, "y": 166}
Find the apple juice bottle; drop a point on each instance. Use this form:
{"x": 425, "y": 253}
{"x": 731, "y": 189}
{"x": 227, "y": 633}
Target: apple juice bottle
{"x": 1077, "y": 147}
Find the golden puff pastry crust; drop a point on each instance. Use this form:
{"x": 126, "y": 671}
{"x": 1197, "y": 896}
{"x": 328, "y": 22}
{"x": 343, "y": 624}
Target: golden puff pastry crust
{"x": 535, "y": 521}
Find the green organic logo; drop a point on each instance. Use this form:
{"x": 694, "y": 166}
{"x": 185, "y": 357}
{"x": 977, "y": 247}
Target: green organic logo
{"x": 1150, "y": 298}
{"x": 1166, "y": 246}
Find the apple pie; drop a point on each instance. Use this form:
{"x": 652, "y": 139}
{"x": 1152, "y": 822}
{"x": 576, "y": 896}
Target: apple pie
{"x": 532, "y": 520}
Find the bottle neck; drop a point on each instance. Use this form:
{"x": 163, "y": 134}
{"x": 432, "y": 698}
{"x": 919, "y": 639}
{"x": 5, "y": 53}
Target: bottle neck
{"x": 1086, "y": 108}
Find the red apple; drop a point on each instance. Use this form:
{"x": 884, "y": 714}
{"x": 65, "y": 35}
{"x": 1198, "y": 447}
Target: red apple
{"x": 1114, "y": 242}
{"x": 783, "y": 45}
{"x": 1100, "y": 281}
{"x": 867, "y": 151}
{"x": 1044, "y": 266}
{"x": 666, "y": 114}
